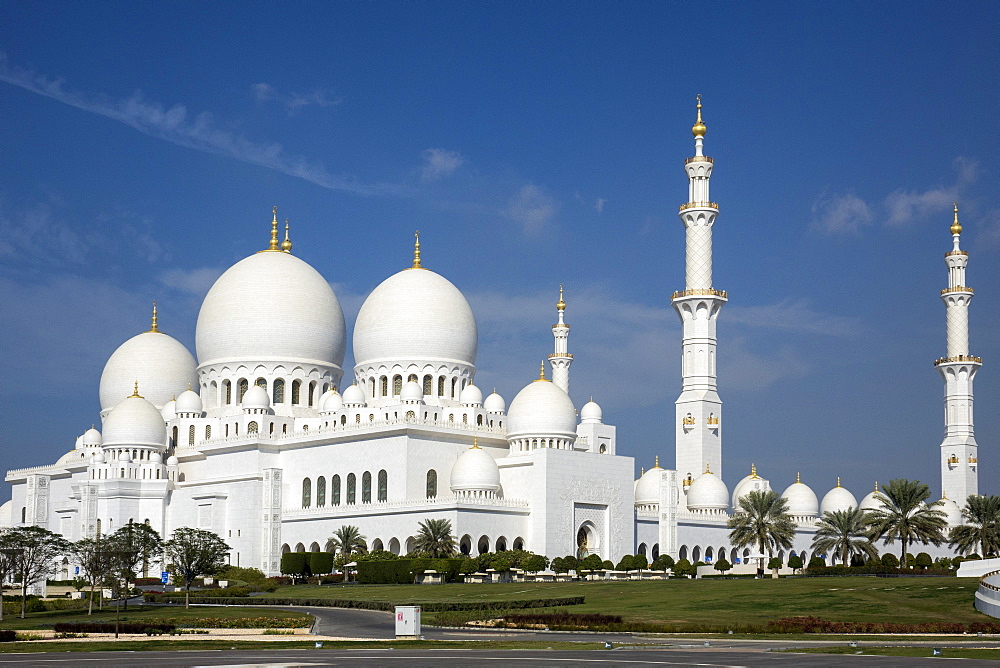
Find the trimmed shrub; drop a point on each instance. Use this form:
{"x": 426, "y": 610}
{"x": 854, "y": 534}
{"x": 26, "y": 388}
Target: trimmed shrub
{"x": 7, "y": 635}
{"x": 890, "y": 559}
{"x": 607, "y": 565}
{"x": 320, "y": 563}
{"x": 684, "y": 567}
{"x": 109, "y": 627}
{"x": 817, "y": 562}
{"x": 923, "y": 561}
{"x": 795, "y": 562}
{"x": 722, "y": 566}
{"x": 295, "y": 563}
{"x": 774, "y": 562}
{"x": 434, "y": 606}
{"x": 662, "y": 562}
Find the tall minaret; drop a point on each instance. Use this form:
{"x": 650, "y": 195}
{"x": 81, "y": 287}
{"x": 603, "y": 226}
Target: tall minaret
{"x": 560, "y": 359}
{"x": 699, "y": 409}
{"x": 959, "y": 458}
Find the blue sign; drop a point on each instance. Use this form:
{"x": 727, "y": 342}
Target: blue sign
{"x": 76, "y": 571}
{"x": 164, "y": 577}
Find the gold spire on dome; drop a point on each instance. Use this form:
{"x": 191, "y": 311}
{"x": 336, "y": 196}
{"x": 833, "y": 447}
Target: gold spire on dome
{"x": 798, "y": 478}
{"x": 561, "y": 305}
{"x": 956, "y": 227}
{"x": 286, "y": 245}
{"x": 416, "y": 251}
{"x": 838, "y": 481}
{"x": 135, "y": 392}
{"x": 154, "y": 328}
{"x": 475, "y": 442}
{"x": 189, "y": 387}
{"x": 541, "y": 373}
{"x": 753, "y": 471}
{"x": 876, "y": 485}
{"x": 656, "y": 464}
{"x": 642, "y": 471}
{"x": 273, "y": 246}
{"x": 707, "y": 470}
{"x": 699, "y": 129}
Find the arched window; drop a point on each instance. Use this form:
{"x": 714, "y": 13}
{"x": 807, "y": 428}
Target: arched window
{"x": 385, "y": 386}
{"x": 343, "y": 420}
{"x": 173, "y": 438}
{"x": 261, "y": 382}
{"x": 227, "y": 391}
{"x": 428, "y": 386}
{"x": 335, "y": 490}
{"x": 306, "y": 492}
{"x": 432, "y": 484}
{"x": 278, "y": 392}
{"x": 371, "y": 384}
{"x": 98, "y": 523}
{"x": 191, "y": 435}
{"x": 412, "y": 378}
{"x": 411, "y": 415}
{"x": 270, "y": 429}
{"x": 397, "y": 385}
{"x": 454, "y": 384}
{"x": 312, "y": 392}
{"x": 351, "y": 489}
{"x": 366, "y": 487}
{"x": 320, "y": 492}
{"x": 227, "y": 431}
{"x": 383, "y": 485}
{"x": 208, "y": 431}
{"x": 441, "y": 386}
{"x": 241, "y": 388}
{"x": 253, "y": 427}
{"x": 296, "y": 386}
{"x": 24, "y": 518}
{"x": 479, "y": 420}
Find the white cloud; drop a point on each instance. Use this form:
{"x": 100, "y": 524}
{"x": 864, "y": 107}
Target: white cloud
{"x": 533, "y": 208}
{"x": 292, "y": 102}
{"x": 907, "y": 206}
{"x": 194, "y": 131}
{"x": 989, "y": 228}
{"x": 439, "y": 162}
{"x": 793, "y": 316}
{"x": 599, "y": 205}
{"x": 840, "y": 214}
{"x": 195, "y": 282}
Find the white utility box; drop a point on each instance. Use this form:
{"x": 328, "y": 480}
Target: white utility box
{"x": 407, "y": 622}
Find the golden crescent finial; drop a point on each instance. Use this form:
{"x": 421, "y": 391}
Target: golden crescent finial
{"x": 286, "y": 245}
{"x": 876, "y": 485}
{"x": 798, "y": 478}
{"x": 154, "y": 327}
{"x": 656, "y": 463}
{"x": 753, "y": 470}
{"x": 561, "y": 305}
{"x": 956, "y": 227}
{"x": 541, "y": 372}
{"x": 699, "y": 129}
{"x": 707, "y": 469}
{"x": 416, "y": 251}
{"x": 274, "y": 245}
{"x": 135, "y": 391}
{"x": 838, "y": 481}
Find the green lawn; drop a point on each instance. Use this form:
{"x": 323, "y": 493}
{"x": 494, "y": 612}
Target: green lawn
{"x": 171, "y": 645}
{"x": 45, "y": 620}
{"x": 947, "y": 652}
{"x": 903, "y": 600}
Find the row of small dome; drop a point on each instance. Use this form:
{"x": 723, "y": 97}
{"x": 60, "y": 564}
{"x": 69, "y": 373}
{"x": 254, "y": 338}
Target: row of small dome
{"x": 709, "y": 492}
{"x": 274, "y": 307}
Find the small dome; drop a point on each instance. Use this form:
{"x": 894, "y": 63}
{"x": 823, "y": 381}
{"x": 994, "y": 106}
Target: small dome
{"x": 188, "y": 402}
{"x": 591, "y": 412}
{"x": 475, "y": 470}
{"x": 256, "y": 398}
{"x": 169, "y": 410}
{"x": 91, "y": 438}
{"x": 952, "y": 512}
{"x": 331, "y": 401}
{"x": 411, "y": 391}
{"x": 125, "y": 457}
{"x": 98, "y": 457}
{"x": 802, "y": 501}
{"x": 708, "y": 492}
{"x": 872, "y": 501}
{"x": 542, "y": 408}
{"x": 647, "y": 487}
{"x": 135, "y": 421}
{"x": 172, "y": 460}
{"x": 159, "y": 363}
{"x": 156, "y": 457}
{"x": 495, "y": 403}
{"x": 836, "y": 499}
{"x": 471, "y": 396}
{"x": 354, "y": 396}
{"x": 751, "y": 483}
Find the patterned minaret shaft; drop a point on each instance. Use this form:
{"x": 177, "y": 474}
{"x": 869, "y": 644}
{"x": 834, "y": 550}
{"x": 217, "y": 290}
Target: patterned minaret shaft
{"x": 699, "y": 409}
{"x": 959, "y": 456}
{"x": 561, "y": 359}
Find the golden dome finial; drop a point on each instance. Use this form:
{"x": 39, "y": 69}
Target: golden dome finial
{"x": 286, "y": 245}
{"x": 656, "y": 461}
{"x": 135, "y": 391}
{"x": 753, "y": 470}
{"x": 642, "y": 471}
{"x": 416, "y": 251}
{"x": 707, "y": 469}
{"x": 475, "y": 442}
{"x": 944, "y": 494}
{"x": 699, "y": 129}
{"x": 798, "y": 478}
{"x": 273, "y": 246}
{"x": 876, "y": 485}
{"x": 154, "y": 328}
{"x": 956, "y": 227}
{"x": 561, "y": 305}
{"x": 838, "y": 481}
{"x": 541, "y": 372}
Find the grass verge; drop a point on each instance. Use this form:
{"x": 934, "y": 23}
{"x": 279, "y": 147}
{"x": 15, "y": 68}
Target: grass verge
{"x": 946, "y": 652}
{"x": 144, "y": 613}
{"x": 207, "y": 645}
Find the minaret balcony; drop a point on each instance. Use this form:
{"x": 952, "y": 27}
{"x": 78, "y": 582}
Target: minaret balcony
{"x": 953, "y": 461}
{"x": 688, "y": 422}
{"x": 956, "y": 252}
{"x": 713, "y": 423}
{"x": 699, "y": 158}
{"x": 957, "y": 288}
{"x": 700, "y": 292}
{"x": 553, "y": 356}
{"x": 958, "y": 358}
{"x": 699, "y": 205}
{"x": 973, "y": 462}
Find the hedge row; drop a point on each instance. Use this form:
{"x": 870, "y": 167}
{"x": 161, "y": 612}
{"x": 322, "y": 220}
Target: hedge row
{"x": 817, "y": 625}
{"x": 402, "y": 571}
{"x": 109, "y": 627}
{"x": 437, "y": 606}
{"x": 877, "y": 569}
{"x": 563, "y": 620}
{"x": 7, "y": 635}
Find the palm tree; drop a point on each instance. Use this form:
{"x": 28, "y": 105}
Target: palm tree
{"x": 434, "y": 538}
{"x": 982, "y": 526}
{"x": 905, "y": 516}
{"x": 844, "y": 532}
{"x": 762, "y": 520}
{"x": 348, "y": 540}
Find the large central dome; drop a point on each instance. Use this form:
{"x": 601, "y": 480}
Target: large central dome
{"x": 415, "y": 315}
{"x": 271, "y": 306}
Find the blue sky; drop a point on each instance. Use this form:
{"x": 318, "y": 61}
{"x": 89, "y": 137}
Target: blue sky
{"x": 532, "y": 145}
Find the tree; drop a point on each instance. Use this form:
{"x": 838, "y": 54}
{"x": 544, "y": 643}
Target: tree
{"x": 195, "y": 552}
{"x": 903, "y": 515}
{"x": 95, "y": 563}
{"x": 591, "y": 563}
{"x": 626, "y": 563}
{"x": 889, "y": 559}
{"x": 639, "y": 562}
{"x": 795, "y": 563}
{"x": 762, "y": 521}
{"x": 537, "y": 562}
{"x": 435, "y": 539}
{"x": 684, "y": 567}
{"x": 8, "y": 555}
{"x": 923, "y": 561}
{"x": 559, "y": 565}
{"x": 33, "y": 550}
{"x": 347, "y": 540}
{"x": 133, "y": 546}
{"x": 981, "y": 528}
{"x": 722, "y": 565}
{"x": 774, "y": 563}
{"x": 663, "y": 562}
{"x": 845, "y": 533}
{"x": 817, "y": 562}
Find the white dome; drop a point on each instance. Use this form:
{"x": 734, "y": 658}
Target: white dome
{"x": 98, "y": 457}
{"x": 495, "y": 403}
{"x": 156, "y": 457}
{"x": 471, "y": 396}
{"x": 411, "y": 391}
{"x": 872, "y": 500}
{"x": 125, "y": 457}
{"x": 169, "y": 410}
{"x": 331, "y": 401}
{"x": 542, "y": 409}
{"x": 751, "y": 483}
{"x": 354, "y": 396}
{"x": 135, "y": 421}
{"x": 415, "y": 314}
{"x": 802, "y": 501}
{"x": 647, "y": 487}
{"x": 708, "y": 492}
{"x": 837, "y": 498}
{"x": 952, "y": 512}
{"x": 188, "y": 402}
{"x": 91, "y": 438}
{"x": 159, "y": 363}
{"x": 591, "y": 412}
{"x": 172, "y": 460}
{"x": 271, "y": 306}
{"x": 475, "y": 470}
{"x": 255, "y": 398}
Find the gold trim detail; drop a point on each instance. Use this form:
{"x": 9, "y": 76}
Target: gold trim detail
{"x": 958, "y": 288}
{"x": 698, "y": 158}
{"x": 698, "y": 205}
{"x": 956, "y": 252}
{"x": 959, "y": 358}
{"x": 700, "y": 292}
